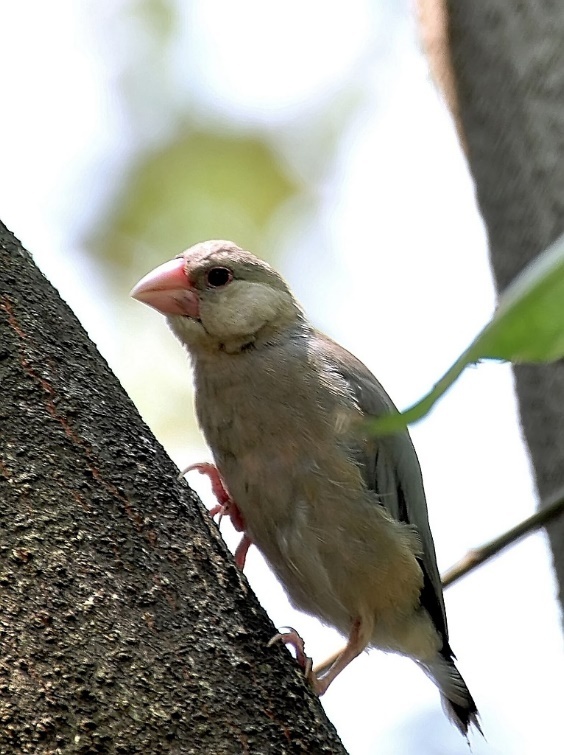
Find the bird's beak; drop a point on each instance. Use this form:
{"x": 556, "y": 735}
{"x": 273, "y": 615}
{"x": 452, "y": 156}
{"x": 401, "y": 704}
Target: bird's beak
{"x": 168, "y": 290}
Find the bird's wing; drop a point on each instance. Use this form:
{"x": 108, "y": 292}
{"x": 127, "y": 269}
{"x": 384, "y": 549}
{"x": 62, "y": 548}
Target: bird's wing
{"x": 391, "y": 469}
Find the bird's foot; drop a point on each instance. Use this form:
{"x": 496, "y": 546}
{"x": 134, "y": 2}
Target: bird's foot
{"x": 320, "y": 682}
{"x": 293, "y": 639}
{"x": 225, "y": 506}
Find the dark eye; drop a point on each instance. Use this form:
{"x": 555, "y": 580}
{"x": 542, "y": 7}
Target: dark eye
{"x": 218, "y": 277}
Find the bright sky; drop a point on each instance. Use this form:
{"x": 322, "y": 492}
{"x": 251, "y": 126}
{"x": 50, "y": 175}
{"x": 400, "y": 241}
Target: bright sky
{"x": 402, "y": 281}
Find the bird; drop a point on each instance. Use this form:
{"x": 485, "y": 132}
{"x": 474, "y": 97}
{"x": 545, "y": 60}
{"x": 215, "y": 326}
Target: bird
{"x": 338, "y": 512}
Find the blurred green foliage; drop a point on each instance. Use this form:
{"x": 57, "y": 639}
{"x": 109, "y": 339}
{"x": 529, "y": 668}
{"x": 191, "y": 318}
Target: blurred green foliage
{"x": 200, "y": 185}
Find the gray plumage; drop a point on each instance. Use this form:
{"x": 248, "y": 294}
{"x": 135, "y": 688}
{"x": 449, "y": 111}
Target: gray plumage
{"x": 339, "y": 514}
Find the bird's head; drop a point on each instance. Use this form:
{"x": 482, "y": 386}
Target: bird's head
{"x": 217, "y": 296}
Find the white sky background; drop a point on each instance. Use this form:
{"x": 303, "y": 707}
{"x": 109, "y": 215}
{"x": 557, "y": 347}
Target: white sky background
{"x": 394, "y": 266}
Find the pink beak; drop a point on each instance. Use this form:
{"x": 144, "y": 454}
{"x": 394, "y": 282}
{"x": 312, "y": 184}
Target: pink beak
{"x": 168, "y": 290}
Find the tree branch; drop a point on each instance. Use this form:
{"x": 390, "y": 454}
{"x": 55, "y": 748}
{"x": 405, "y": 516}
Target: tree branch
{"x": 125, "y": 626}
{"x": 477, "y": 556}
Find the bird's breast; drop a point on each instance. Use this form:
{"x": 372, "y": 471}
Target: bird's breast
{"x": 280, "y": 435}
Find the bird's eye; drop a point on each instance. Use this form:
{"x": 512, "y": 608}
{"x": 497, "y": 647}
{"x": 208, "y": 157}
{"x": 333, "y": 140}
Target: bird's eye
{"x": 218, "y": 277}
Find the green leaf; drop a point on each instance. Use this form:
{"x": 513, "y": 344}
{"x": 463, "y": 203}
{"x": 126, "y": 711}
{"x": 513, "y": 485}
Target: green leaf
{"x": 528, "y": 326}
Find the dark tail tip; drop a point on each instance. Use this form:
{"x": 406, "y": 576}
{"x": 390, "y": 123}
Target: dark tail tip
{"x": 457, "y": 701}
{"x": 463, "y": 715}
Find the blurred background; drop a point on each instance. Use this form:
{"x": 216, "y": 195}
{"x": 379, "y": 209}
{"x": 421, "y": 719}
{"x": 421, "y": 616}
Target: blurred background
{"x": 312, "y": 134}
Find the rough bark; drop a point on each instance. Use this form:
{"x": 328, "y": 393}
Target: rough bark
{"x": 508, "y": 63}
{"x": 125, "y": 626}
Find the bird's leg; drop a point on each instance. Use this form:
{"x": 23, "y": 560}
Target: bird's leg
{"x": 354, "y": 647}
{"x": 321, "y": 668}
{"x": 225, "y": 506}
{"x": 241, "y": 551}
{"x": 293, "y": 638}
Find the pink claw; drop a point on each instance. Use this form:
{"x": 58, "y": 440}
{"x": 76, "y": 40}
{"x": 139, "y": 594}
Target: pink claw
{"x": 225, "y": 506}
{"x": 218, "y": 488}
{"x": 293, "y": 638}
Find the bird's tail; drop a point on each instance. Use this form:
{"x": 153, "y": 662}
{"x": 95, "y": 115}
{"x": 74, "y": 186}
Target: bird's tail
{"x": 457, "y": 701}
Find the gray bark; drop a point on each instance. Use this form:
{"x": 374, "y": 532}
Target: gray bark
{"x": 508, "y": 63}
{"x": 125, "y": 626}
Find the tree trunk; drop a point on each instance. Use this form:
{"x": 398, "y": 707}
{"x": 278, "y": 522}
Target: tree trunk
{"x": 125, "y": 625}
{"x": 507, "y": 62}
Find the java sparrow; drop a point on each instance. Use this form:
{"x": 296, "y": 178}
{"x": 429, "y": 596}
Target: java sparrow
{"x": 339, "y": 514}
